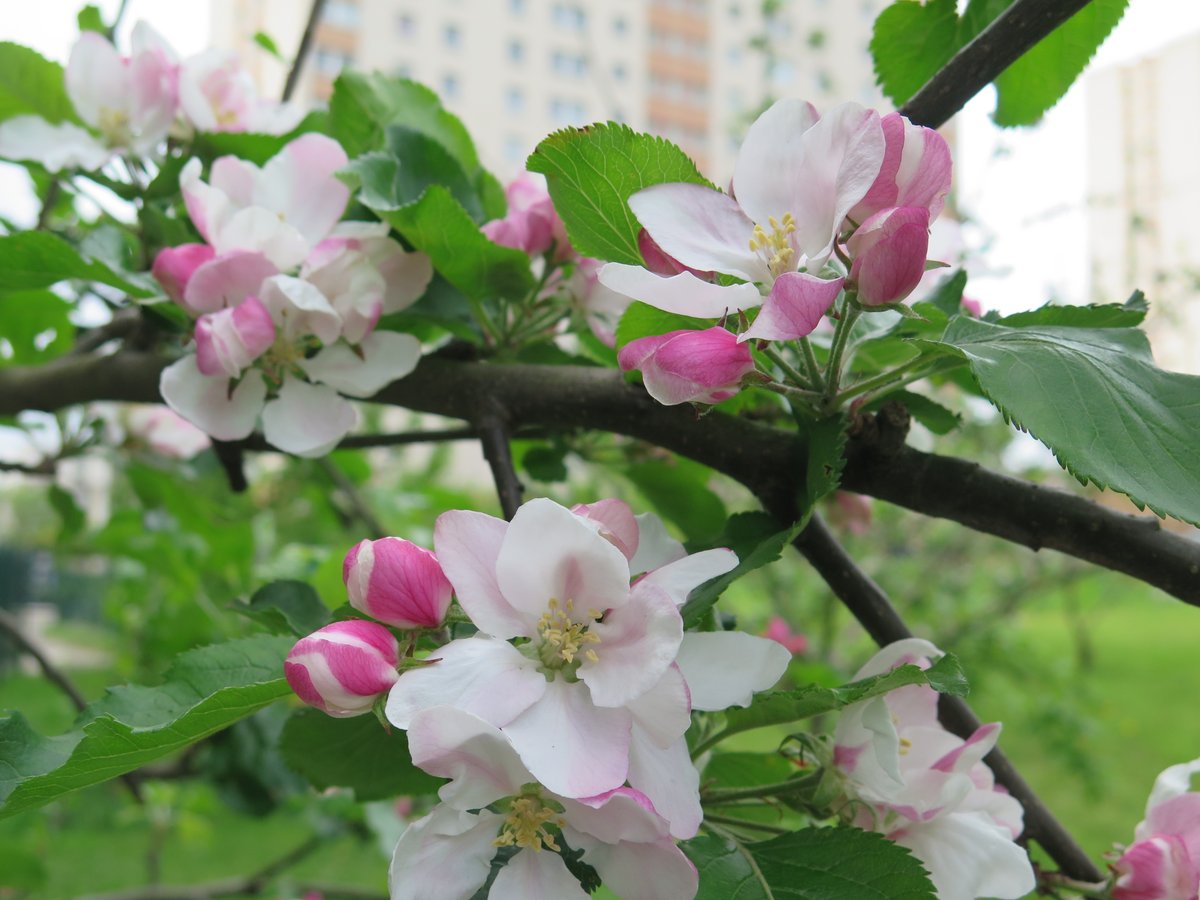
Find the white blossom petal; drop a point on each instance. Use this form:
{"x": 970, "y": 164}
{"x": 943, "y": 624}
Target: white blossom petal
{"x": 726, "y": 668}
{"x": 638, "y": 641}
{"x": 467, "y": 544}
{"x": 60, "y": 146}
{"x": 482, "y": 765}
{"x": 446, "y": 855}
{"x": 206, "y": 402}
{"x": 681, "y": 577}
{"x": 668, "y": 778}
{"x": 536, "y": 876}
{"x": 307, "y": 419}
{"x": 684, "y": 293}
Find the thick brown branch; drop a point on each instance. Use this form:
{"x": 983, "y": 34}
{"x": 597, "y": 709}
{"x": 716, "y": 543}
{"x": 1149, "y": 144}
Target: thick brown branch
{"x": 767, "y": 460}
{"x": 870, "y": 605}
{"x": 494, "y": 436}
{"x": 978, "y": 64}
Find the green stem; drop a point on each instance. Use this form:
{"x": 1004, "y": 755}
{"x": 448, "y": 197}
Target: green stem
{"x": 485, "y": 321}
{"x": 841, "y": 337}
{"x": 776, "y": 357}
{"x": 814, "y": 368}
{"x": 914, "y": 370}
{"x": 711, "y": 741}
{"x": 744, "y": 823}
{"x": 762, "y": 790}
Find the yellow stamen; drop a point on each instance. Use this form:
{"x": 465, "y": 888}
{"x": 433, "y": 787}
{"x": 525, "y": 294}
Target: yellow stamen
{"x": 564, "y": 638}
{"x": 775, "y": 245}
{"x": 525, "y": 825}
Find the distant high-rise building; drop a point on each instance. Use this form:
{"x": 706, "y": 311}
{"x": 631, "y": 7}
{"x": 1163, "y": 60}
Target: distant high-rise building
{"x": 1143, "y": 192}
{"x": 693, "y": 71}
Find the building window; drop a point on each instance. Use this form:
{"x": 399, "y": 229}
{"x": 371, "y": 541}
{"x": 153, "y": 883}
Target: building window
{"x": 452, "y": 37}
{"x": 571, "y": 65}
{"x": 567, "y": 16}
{"x": 619, "y": 72}
{"x": 407, "y": 26}
{"x": 567, "y": 112}
{"x": 620, "y": 26}
{"x": 342, "y": 14}
{"x": 516, "y": 51}
{"x": 516, "y": 7}
{"x": 449, "y": 86}
{"x": 514, "y": 99}
{"x": 330, "y": 62}
{"x": 514, "y": 150}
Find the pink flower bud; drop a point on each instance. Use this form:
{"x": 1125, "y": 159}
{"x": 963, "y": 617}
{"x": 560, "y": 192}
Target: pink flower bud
{"x": 972, "y": 307}
{"x": 781, "y": 632}
{"x": 344, "y": 667}
{"x": 532, "y": 224}
{"x": 689, "y": 366}
{"x": 173, "y": 267}
{"x": 229, "y": 340}
{"x": 397, "y": 582}
{"x": 916, "y": 170}
{"x": 1156, "y": 868}
{"x": 889, "y": 254}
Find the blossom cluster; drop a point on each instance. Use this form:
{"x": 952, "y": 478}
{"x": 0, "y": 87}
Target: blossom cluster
{"x": 806, "y": 188}
{"x": 561, "y": 720}
{"x": 131, "y": 104}
{"x": 928, "y": 790}
{"x": 286, "y": 299}
{"x": 1163, "y": 863}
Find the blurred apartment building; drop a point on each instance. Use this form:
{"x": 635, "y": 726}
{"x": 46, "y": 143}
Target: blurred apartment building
{"x": 694, "y": 71}
{"x": 1143, "y": 193}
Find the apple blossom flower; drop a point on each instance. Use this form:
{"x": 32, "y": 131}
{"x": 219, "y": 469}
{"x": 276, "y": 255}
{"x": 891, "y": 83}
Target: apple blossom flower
{"x": 166, "y": 432}
{"x": 601, "y": 306}
{"x": 689, "y": 366}
{"x": 595, "y": 645}
{"x": 229, "y": 340}
{"x": 343, "y": 668}
{"x": 174, "y": 266}
{"x": 781, "y": 633}
{"x": 397, "y": 582}
{"x": 281, "y": 210}
{"x": 128, "y": 103}
{"x": 795, "y": 179}
{"x": 448, "y": 853}
{"x": 217, "y": 94}
{"x": 531, "y": 224}
{"x": 971, "y": 306}
{"x": 1163, "y": 863}
{"x": 889, "y": 251}
{"x": 929, "y": 790}
{"x": 916, "y": 170}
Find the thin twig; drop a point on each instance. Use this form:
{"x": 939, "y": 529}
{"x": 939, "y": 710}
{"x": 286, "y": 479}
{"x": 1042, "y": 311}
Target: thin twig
{"x": 350, "y": 491}
{"x": 306, "y": 40}
{"x": 870, "y": 605}
{"x": 494, "y": 436}
{"x": 978, "y": 64}
{"x": 122, "y": 325}
{"x": 53, "y": 191}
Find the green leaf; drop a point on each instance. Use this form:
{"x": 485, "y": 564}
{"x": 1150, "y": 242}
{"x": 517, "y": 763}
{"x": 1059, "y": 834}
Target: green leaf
{"x": 364, "y": 105}
{"x": 1108, "y": 315}
{"x": 593, "y": 171}
{"x": 1095, "y": 398}
{"x": 267, "y": 42}
{"x": 811, "y": 864}
{"x": 824, "y": 443}
{"x": 438, "y": 225}
{"x": 949, "y": 294}
{"x": 755, "y": 538}
{"x": 20, "y": 871}
{"x": 413, "y": 161}
{"x": 69, "y": 513}
{"x": 35, "y": 259}
{"x": 206, "y": 690}
{"x": 545, "y": 462}
{"x": 642, "y": 320}
{"x": 783, "y": 707}
{"x": 90, "y": 19}
{"x": 1028, "y": 88}
{"x": 36, "y": 326}
{"x": 678, "y": 489}
{"x": 287, "y": 607}
{"x": 910, "y": 42}
{"x": 353, "y": 753}
{"x": 30, "y": 84}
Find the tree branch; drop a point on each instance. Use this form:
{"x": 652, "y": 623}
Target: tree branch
{"x": 358, "y": 504}
{"x": 992, "y": 51}
{"x": 870, "y": 605}
{"x": 494, "y": 436}
{"x": 767, "y": 460}
{"x": 306, "y": 40}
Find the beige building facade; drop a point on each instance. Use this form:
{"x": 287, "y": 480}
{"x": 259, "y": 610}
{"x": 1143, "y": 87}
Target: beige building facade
{"x": 1143, "y": 193}
{"x": 694, "y": 71}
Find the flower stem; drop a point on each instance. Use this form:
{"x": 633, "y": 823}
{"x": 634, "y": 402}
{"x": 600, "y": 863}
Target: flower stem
{"x": 814, "y": 368}
{"x": 745, "y": 823}
{"x": 788, "y": 369}
{"x": 841, "y": 337}
{"x": 913, "y": 370}
{"x": 762, "y": 790}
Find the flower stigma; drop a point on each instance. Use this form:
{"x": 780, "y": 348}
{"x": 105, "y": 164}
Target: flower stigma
{"x": 525, "y": 825}
{"x": 564, "y": 639}
{"x": 776, "y": 246}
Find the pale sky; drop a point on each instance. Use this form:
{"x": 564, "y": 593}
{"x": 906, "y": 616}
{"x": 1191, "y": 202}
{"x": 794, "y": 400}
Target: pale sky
{"x": 1029, "y": 201}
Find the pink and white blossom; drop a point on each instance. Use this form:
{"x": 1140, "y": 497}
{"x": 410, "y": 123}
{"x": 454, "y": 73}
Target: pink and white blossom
{"x": 128, "y": 104}
{"x": 916, "y": 170}
{"x": 781, "y": 633}
{"x": 796, "y": 178}
{"x": 929, "y": 790}
{"x": 165, "y": 431}
{"x": 447, "y": 854}
{"x": 397, "y": 582}
{"x": 531, "y": 224}
{"x": 689, "y": 366}
{"x": 343, "y": 668}
{"x": 596, "y": 645}
{"x": 1163, "y": 863}
{"x": 217, "y": 94}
